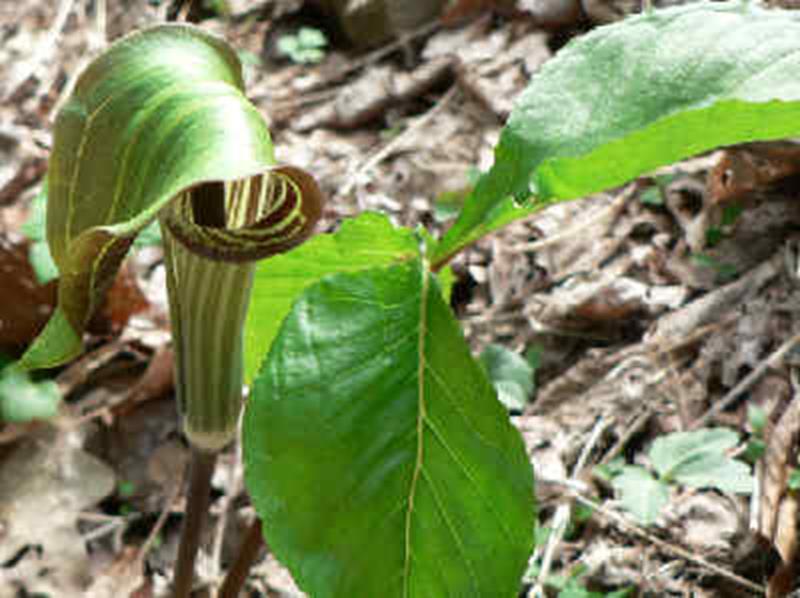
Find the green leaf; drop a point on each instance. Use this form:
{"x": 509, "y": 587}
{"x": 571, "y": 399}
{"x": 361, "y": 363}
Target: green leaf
{"x": 754, "y": 450}
{"x": 725, "y": 272}
{"x": 311, "y": 38}
{"x": 159, "y": 117}
{"x": 698, "y": 459}
{"x": 34, "y": 227}
{"x": 629, "y": 97}
{"x": 44, "y": 268}
{"x": 511, "y": 375}
{"x": 157, "y": 113}
{"x": 365, "y": 242}
{"x": 716, "y": 471}
{"x": 793, "y": 483}
{"x": 149, "y": 236}
{"x": 376, "y": 453}
{"x": 606, "y": 471}
{"x": 672, "y": 450}
{"x": 640, "y": 494}
{"x": 22, "y": 400}
{"x": 306, "y": 46}
{"x": 757, "y": 418}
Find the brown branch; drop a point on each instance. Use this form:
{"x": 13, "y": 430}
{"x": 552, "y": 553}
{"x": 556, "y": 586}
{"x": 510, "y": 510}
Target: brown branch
{"x": 248, "y": 553}
{"x": 201, "y": 469}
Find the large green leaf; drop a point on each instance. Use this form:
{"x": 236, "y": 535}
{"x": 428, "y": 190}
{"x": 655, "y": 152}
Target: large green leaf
{"x": 632, "y": 96}
{"x": 376, "y": 453}
{"x": 364, "y": 242}
{"x": 159, "y": 116}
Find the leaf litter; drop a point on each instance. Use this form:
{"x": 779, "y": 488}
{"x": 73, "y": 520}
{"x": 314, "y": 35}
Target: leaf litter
{"x": 631, "y": 328}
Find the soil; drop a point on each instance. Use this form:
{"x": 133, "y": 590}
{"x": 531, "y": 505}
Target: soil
{"x": 640, "y": 326}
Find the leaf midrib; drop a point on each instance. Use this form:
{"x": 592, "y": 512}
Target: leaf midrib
{"x": 422, "y": 332}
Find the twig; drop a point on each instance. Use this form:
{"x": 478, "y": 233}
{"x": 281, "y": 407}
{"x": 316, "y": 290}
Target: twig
{"x": 201, "y": 469}
{"x": 162, "y": 519}
{"x": 233, "y": 486}
{"x": 564, "y": 511}
{"x": 44, "y": 49}
{"x": 748, "y": 381}
{"x": 99, "y": 37}
{"x": 375, "y": 56}
{"x": 631, "y": 527}
{"x": 387, "y": 149}
{"x": 110, "y": 527}
{"x": 611, "y": 209}
{"x": 248, "y": 553}
{"x": 632, "y": 429}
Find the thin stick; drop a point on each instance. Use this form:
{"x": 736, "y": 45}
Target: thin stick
{"x": 564, "y": 511}
{"x": 233, "y": 485}
{"x": 748, "y": 381}
{"x": 625, "y": 525}
{"x": 395, "y": 143}
{"x": 44, "y": 49}
{"x": 248, "y": 553}
{"x": 201, "y": 469}
{"x": 161, "y": 521}
{"x": 612, "y": 209}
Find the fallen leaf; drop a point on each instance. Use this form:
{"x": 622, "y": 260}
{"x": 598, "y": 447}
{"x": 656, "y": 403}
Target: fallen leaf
{"x": 779, "y": 507}
{"x": 744, "y": 169}
{"x": 44, "y": 484}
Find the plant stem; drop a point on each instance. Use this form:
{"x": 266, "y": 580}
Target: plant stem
{"x": 201, "y": 468}
{"x": 248, "y": 553}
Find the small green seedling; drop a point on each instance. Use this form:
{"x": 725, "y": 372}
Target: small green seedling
{"x": 655, "y": 195}
{"x": 23, "y": 400}
{"x": 724, "y": 272}
{"x": 307, "y": 46}
{"x": 794, "y": 479}
{"x": 572, "y": 584}
{"x": 698, "y": 459}
{"x": 757, "y": 418}
{"x": 511, "y": 374}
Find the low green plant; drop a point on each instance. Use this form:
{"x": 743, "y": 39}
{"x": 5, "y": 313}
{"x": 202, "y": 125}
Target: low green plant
{"x": 569, "y": 584}
{"x": 511, "y": 374}
{"x": 573, "y": 586}
{"x": 757, "y": 444}
{"x": 23, "y": 399}
{"x": 793, "y": 482}
{"x": 376, "y": 453}
{"x": 655, "y": 195}
{"x": 307, "y": 46}
{"x": 698, "y": 459}
{"x": 723, "y": 271}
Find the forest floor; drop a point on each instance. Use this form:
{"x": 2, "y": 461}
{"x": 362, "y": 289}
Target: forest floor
{"x": 638, "y": 311}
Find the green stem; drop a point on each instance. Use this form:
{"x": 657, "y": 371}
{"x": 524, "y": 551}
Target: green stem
{"x": 247, "y": 555}
{"x": 201, "y": 469}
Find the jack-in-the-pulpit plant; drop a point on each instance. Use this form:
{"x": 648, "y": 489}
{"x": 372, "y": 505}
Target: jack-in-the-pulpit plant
{"x": 376, "y": 453}
{"x": 159, "y": 127}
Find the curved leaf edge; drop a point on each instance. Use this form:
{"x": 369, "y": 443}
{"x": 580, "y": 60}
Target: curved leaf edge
{"x": 61, "y": 340}
{"x": 249, "y": 429}
{"x": 521, "y": 181}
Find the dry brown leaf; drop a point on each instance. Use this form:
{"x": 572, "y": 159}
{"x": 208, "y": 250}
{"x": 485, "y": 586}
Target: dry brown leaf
{"x": 25, "y": 305}
{"x": 779, "y": 506}
{"x": 121, "y": 579}
{"x": 44, "y": 484}
{"x": 123, "y": 300}
{"x": 369, "y": 96}
{"x": 744, "y": 169}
